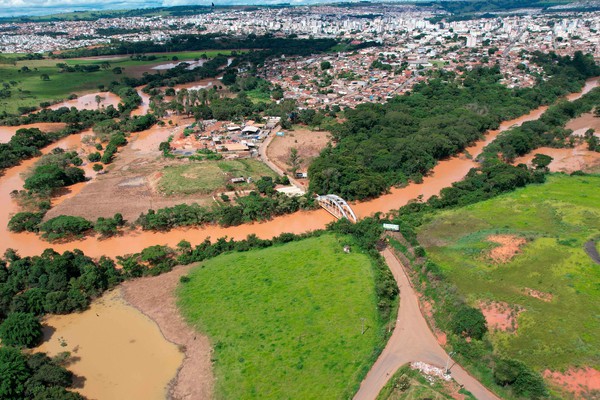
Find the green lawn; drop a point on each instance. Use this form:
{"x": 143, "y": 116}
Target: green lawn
{"x": 556, "y": 218}
{"x": 205, "y": 177}
{"x": 285, "y": 322}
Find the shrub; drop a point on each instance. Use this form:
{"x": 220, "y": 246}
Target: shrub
{"x": 65, "y": 225}
{"x": 25, "y": 221}
{"x": 469, "y": 321}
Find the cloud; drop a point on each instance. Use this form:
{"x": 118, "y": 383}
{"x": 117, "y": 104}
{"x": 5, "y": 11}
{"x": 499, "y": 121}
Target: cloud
{"x": 42, "y": 7}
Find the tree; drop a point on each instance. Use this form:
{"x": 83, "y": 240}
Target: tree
{"x": 21, "y": 329}
{"x": 45, "y": 77}
{"x": 294, "y": 160}
{"x": 99, "y": 99}
{"x": 469, "y": 321}
{"x": 14, "y": 372}
{"x": 541, "y": 161}
{"x": 325, "y": 65}
{"x": 94, "y": 157}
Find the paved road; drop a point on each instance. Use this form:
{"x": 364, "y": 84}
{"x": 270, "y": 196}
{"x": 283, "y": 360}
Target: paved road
{"x": 412, "y": 340}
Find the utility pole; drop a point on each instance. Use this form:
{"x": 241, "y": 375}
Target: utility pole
{"x": 362, "y": 329}
{"x": 448, "y": 362}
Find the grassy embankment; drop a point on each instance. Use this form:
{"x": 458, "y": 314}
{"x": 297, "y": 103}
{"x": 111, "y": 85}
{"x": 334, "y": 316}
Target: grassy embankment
{"x": 208, "y": 176}
{"x": 556, "y": 218}
{"x": 286, "y": 321}
{"x": 31, "y": 90}
{"x": 409, "y": 384}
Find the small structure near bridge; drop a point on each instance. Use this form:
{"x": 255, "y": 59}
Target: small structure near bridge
{"x": 337, "y": 207}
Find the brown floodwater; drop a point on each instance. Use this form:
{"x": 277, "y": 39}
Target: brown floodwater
{"x": 143, "y": 107}
{"x": 566, "y": 160}
{"x": 88, "y": 101}
{"x": 443, "y": 175}
{"x": 584, "y": 122}
{"x": 7, "y": 132}
{"x": 119, "y": 352}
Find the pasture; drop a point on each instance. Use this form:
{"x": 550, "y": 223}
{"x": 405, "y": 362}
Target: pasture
{"x": 298, "y": 320}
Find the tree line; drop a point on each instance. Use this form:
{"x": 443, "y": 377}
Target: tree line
{"x": 384, "y": 145}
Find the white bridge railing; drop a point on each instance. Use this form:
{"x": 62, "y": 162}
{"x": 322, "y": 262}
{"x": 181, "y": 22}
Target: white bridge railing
{"x": 337, "y": 207}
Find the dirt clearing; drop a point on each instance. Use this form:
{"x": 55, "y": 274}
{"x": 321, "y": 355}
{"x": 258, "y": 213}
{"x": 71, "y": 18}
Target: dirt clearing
{"x": 509, "y": 246}
{"x": 579, "y": 381}
{"x": 309, "y": 144}
{"x": 500, "y": 316}
{"x": 155, "y": 297}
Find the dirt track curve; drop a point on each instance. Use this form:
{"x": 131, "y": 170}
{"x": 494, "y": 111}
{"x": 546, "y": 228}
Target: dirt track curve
{"x": 412, "y": 340}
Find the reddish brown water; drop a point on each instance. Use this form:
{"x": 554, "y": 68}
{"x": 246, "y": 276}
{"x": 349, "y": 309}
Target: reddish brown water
{"x": 6, "y": 132}
{"x": 443, "y": 175}
{"x": 119, "y": 351}
{"x": 143, "y": 108}
{"x": 88, "y": 101}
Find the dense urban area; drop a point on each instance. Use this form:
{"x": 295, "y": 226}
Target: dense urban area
{"x": 360, "y": 200}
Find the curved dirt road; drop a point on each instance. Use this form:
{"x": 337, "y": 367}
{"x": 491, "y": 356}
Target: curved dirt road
{"x": 412, "y": 340}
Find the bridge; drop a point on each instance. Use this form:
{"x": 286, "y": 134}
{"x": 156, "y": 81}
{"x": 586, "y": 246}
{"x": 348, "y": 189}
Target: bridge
{"x": 337, "y": 207}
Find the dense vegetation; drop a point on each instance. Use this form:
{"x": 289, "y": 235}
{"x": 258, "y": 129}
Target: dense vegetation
{"x": 549, "y": 130}
{"x": 26, "y": 143}
{"x": 385, "y": 145}
{"x": 209, "y": 42}
{"x": 34, "y": 377}
{"x": 55, "y": 170}
{"x": 278, "y": 329}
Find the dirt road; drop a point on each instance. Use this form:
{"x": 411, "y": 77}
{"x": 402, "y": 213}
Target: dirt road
{"x": 262, "y": 152}
{"x": 412, "y": 340}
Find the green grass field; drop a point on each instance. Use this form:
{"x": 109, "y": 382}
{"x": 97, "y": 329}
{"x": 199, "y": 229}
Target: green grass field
{"x": 285, "y": 322}
{"x": 31, "y": 90}
{"x": 205, "y": 177}
{"x": 410, "y": 384}
{"x": 556, "y": 218}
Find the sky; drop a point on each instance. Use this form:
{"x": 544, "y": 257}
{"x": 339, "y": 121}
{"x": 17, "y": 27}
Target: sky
{"x": 11, "y": 8}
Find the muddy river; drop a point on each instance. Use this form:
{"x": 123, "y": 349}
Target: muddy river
{"x": 118, "y": 353}
{"x": 443, "y": 175}
{"x": 88, "y": 101}
{"x": 118, "y": 350}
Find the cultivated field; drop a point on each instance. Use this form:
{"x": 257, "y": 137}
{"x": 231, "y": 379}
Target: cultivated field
{"x": 520, "y": 257}
{"x": 207, "y": 176}
{"x": 292, "y": 321}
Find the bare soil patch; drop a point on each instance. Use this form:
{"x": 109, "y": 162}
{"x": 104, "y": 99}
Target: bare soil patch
{"x": 500, "y": 316}
{"x": 155, "y": 297}
{"x": 510, "y": 245}
{"x": 547, "y": 297}
{"x": 309, "y": 144}
{"x": 129, "y": 186}
{"x": 583, "y": 382}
